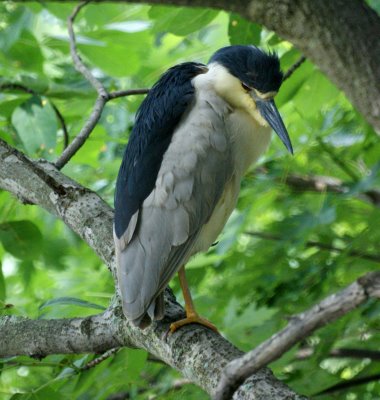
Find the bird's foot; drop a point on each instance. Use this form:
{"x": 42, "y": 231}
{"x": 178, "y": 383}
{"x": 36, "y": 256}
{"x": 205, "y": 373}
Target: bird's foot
{"x": 192, "y": 319}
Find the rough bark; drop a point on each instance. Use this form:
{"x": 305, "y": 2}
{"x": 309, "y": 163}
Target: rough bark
{"x": 341, "y": 37}
{"x": 198, "y": 353}
{"x": 299, "y": 327}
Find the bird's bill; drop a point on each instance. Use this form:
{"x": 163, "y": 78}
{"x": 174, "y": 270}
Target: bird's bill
{"x": 269, "y": 111}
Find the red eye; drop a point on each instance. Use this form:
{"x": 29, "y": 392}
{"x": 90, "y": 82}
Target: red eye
{"x": 245, "y": 87}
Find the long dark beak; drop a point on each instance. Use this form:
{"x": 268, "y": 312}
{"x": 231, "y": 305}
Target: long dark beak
{"x": 269, "y": 111}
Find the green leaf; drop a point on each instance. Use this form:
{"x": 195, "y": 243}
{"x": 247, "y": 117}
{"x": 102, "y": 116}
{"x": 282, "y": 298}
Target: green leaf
{"x": 241, "y": 31}
{"x": 250, "y": 316}
{"x": 180, "y": 20}
{"x": 110, "y": 55}
{"x": 21, "y": 238}
{"x": 54, "y": 251}
{"x": 316, "y": 92}
{"x": 295, "y": 83}
{"x": 36, "y": 126}
{"x": 45, "y": 393}
{"x": 27, "y": 270}
{"x": 17, "y": 22}
{"x": 132, "y": 360}
{"x": 70, "y": 301}
{"x": 26, "y": 54}
{"x": 10, "y": 102}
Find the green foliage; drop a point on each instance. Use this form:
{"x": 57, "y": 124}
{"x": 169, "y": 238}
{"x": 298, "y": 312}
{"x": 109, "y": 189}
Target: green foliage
{"x": 246, "y": 284}
{"x": 22, "y": 239}
{"x": 241, "y": 31}
{"x": 36, "y": 126}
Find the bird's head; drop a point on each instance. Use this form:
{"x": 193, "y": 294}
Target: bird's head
{"x": 248, "y": 78}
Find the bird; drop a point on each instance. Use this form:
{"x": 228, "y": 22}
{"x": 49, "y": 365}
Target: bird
{"x": 196, "y": 133}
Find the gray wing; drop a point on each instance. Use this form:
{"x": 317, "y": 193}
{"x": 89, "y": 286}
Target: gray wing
{"x": 161, "y": 235}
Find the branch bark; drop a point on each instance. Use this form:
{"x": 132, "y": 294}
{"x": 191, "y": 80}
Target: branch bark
{"x": 195, "y": 351}
{"x": 299, "y": 327}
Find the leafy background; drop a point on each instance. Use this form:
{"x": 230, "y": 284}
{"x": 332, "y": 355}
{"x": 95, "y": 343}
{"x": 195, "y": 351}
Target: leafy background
{"x": 247, "y": 285}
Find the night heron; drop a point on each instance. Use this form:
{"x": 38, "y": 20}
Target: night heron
{"x": 196, "y": 133}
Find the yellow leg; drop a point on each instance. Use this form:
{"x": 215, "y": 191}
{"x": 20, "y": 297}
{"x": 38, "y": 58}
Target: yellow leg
{"x": 192, "y": 316}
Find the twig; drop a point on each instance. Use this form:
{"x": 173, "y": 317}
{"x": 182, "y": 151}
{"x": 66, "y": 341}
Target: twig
{"x": 350, "y": 383}
{"x": 78, "y": 63}
{"x": 93, "y": 363}
{"x": 63, "y": 125}
{"x": 84, "y": 133}
{"x": 342, "y": 352}
{"x": 319, "y": 184}
{"x": 328, "y": 184}
{"x": 320, "y": 245}
{"x": 355, "y": 353}
{"x": 130, "y": 92}
{"x": 103, "y": 95}
{"x": 296, "y": 65}
{"x": 17, "y": 86}
{"x": 298, "y": 328}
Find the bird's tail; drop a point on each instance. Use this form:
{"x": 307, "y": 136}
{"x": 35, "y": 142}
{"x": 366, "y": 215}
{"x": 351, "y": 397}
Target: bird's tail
{"x": 155, "y": 312}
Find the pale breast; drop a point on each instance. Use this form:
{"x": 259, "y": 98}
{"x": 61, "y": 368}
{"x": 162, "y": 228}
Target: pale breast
{"x": 219, "y": 217}
{"x": 248, "y": 140}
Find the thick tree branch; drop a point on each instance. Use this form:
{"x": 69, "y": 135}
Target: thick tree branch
{"x": 95, "y": 334}
{"x": 298, "y": 328}
{"x": 195, "y": 351}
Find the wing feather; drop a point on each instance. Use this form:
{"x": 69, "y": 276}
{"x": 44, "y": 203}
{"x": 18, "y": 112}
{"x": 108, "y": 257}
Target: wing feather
{"x": 191, "y": 180}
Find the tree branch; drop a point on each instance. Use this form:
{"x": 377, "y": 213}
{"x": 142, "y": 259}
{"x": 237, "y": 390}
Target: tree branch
{"x": 298, "y": 328}
{"x": 327, "y": 184}
{"x": 341, "y": 352}
{"x": 292, "y": 69}
{"x": 355, "y": 353}
{"x": 320, "y": 245}
{"x": 95, "y": 334}
{"x": 198, "y": 353}
{"x": 78, "y": 63}
{"x": 96, "y": 361}
{"x": 103, "y": 95}
{"x": 350, "y": 383}
{"x": 122, "y": 93}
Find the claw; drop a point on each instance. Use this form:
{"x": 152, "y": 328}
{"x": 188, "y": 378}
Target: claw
{"x": 192, "y": 319}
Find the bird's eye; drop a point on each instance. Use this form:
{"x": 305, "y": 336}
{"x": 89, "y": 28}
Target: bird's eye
{"x": 245, "y": 87}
